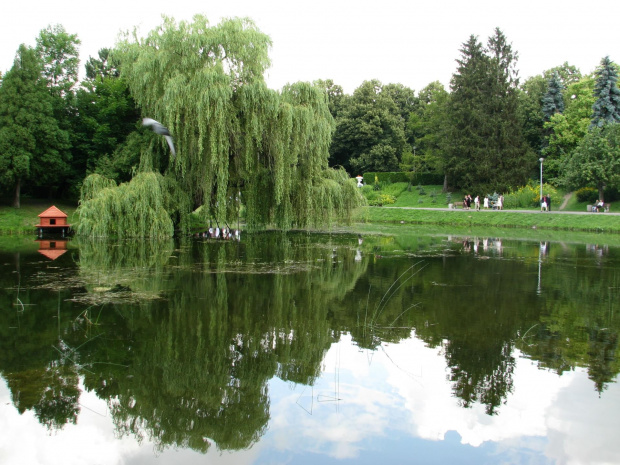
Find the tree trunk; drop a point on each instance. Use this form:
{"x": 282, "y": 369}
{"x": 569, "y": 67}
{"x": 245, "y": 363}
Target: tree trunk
{"x": 445, "y": 183}
{"x": 18, "y": 188}
{"x": 600, "y": 192}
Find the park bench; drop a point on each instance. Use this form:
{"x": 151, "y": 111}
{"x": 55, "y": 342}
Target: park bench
{"x": 592, "y": 208}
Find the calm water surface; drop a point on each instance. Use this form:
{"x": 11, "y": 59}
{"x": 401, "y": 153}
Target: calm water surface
{"x": 310, "y": 349}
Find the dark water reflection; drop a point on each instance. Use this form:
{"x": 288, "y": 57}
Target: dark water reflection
{"x": 312, "y": 348}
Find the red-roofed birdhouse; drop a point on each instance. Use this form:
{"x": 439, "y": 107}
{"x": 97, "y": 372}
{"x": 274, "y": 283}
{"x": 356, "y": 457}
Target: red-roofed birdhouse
{"x": 53, "y": 220}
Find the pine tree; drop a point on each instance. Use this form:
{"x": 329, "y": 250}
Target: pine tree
{"x": 606, "y": 109}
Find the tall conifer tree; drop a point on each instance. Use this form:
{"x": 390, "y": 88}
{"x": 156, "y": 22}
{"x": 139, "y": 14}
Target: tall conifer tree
{"x": 553, "y": 100}
{"x": 487, "y": 149}
{"x": 31, "y": 143}
{"x": 465, "y": 113}
{"x": 606, "y": 108}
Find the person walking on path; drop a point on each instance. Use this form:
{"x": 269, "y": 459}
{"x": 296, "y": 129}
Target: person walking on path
{"x": 477, "y": 203}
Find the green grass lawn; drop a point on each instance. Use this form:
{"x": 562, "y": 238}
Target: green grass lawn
{"x": 426, "y": 197}
{"x": 413, "y": 200}
{"x": 22, "y": 220}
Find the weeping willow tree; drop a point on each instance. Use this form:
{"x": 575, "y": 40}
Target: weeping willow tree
{"x": 143, "y": 207}
{"x": 237, "y": 141}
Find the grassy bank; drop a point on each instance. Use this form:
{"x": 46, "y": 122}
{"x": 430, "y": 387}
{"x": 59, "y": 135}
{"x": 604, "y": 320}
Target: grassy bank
{"x": 22, "y": 220}
{"x": 593, "y": 222}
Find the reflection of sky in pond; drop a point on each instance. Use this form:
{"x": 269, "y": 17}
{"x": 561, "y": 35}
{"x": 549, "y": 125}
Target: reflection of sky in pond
{"x": 393, "y": 405}
{"x": 397, "y": 407}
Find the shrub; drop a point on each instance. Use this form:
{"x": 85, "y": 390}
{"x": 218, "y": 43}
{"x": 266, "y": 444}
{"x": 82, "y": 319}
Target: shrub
{"x": 587, "y": 194}
{"x": 529, "y": 196}
{"x": 382, "y": 199}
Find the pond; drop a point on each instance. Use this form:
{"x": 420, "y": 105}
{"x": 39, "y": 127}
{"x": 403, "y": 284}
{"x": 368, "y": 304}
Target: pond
{"x": 311, "y": 348}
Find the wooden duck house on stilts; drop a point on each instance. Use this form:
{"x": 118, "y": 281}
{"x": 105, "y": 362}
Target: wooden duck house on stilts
{"x": 54, "y": 221}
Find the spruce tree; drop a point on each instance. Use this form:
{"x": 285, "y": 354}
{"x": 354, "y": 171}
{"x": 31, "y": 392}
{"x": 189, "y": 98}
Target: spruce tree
{"x": 487, "y": 150}
{"x": 508, "y": 149}
{"x": 553, "y": 100}
{"x": 466, "y": 116}
{"x": 606, "y": 108}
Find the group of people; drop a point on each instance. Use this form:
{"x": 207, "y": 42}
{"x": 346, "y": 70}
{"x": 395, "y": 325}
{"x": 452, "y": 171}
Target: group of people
{"x": 467, "y": 201}
{"x": 216, "y": 233}
{"x": 545, "y": 203}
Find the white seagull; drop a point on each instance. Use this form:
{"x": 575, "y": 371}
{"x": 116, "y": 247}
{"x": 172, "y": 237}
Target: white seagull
{"x": 159, "y": 128}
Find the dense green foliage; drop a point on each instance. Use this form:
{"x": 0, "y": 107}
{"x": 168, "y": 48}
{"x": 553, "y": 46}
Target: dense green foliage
{"x": 596, "y": 160}
{"x": 427, "y": 130}
{"x": 566, "y": 130}
{"x": 106, "y": 140}
{"x": 370, "y": 130}
{"x": 587, "y": 194}
{"x": 33, "y": 147}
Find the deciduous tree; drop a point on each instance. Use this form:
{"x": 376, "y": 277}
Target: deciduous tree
{"x": 567, "y": 129}
{"x": 237, "y": 141}
{"x": 370, "y": 132}
{"x": 596, "y": 160}
{"x": 427, "y": 128}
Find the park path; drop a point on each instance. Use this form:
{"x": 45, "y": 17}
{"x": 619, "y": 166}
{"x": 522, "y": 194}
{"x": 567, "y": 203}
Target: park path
{"x": 565, "y": 201}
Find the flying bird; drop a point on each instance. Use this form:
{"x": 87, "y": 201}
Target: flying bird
{"x": 160, "y": 129}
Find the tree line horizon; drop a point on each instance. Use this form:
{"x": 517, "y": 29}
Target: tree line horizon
{"x": 287, "y": 156}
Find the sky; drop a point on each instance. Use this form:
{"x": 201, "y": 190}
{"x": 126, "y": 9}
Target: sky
{"x": 411, "y": 42}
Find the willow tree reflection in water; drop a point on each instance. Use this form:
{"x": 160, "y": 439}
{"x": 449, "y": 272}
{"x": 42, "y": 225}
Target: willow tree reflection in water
{"x": 184, "y": 341}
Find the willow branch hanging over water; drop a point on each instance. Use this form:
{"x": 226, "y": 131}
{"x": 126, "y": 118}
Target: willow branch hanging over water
{"x": 139, "y": 208}
{"x": 238, "y": 142}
